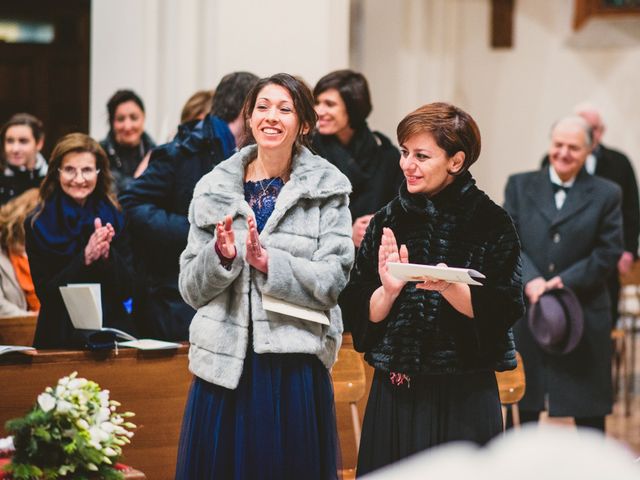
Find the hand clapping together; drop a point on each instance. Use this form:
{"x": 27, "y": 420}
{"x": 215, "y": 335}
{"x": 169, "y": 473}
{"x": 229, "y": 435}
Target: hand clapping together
{"x": 225, "y": 244}
{"x": 99, "y": 243}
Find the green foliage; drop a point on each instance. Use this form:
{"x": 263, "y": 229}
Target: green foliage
{"x": 73, "y": 431}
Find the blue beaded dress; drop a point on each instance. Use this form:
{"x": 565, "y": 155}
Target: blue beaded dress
{"x": 279, "y": 423}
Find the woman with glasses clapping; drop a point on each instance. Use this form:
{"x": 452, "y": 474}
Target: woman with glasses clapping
{"x": 76, "y": 235}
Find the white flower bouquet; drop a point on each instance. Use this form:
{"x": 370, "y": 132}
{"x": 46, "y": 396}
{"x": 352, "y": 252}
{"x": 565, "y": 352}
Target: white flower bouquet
{"x": 73, "y": 431}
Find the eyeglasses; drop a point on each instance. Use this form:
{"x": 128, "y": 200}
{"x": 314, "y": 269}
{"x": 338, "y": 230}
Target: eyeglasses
{"x": 70, "y": 172}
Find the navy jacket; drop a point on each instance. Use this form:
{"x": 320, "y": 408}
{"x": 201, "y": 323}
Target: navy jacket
{"x": 157, "y": 204}
{"x": 51, "y": 271}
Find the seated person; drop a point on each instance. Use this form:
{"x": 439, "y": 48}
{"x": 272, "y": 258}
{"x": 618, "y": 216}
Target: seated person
{"x": 17, "y": 293}
{"x": 77, "y": 234}
{"x": 22, "y": 166}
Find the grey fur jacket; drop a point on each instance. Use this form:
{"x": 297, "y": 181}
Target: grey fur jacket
{"x": 308, "y": 241}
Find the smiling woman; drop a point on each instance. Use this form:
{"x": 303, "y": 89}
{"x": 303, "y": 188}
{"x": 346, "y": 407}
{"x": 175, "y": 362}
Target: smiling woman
{"x": 271, "y": 220}
{"x": 127, "y": 143}
{"x": 22, "y": 165}
{"x": 77, "y": 235}
{"x": 434, "y": 345}
{"x": 367, "y": 158}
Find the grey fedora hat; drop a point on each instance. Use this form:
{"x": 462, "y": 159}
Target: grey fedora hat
{"x": 556, "y": 321}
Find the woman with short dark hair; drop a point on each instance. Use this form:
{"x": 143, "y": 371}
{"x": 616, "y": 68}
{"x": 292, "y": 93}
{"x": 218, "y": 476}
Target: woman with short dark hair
{"x": 77, "y": 234}
{"x": 127, "y": 143}
{"x": 342, "y": 136}
{"x": 434, "y": 345}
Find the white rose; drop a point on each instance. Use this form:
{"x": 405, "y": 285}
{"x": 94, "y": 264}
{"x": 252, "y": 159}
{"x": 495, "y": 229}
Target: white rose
{"x": 77, "y": 383}
{"x": 46, "y": 402}
{"x": 104, "y": 398}
{"x": 98, "y": 435}
{"x": 64, "y": 406}
{"x": 108, "y": 427}
{"x": 103, "y": 415}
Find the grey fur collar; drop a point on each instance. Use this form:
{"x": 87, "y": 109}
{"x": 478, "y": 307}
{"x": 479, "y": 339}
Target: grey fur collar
{"x": 312, "y": 177}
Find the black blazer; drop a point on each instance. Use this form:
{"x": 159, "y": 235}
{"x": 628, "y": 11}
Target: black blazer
{"x": 615, "y": 166}
{"x": 581, "y": 243}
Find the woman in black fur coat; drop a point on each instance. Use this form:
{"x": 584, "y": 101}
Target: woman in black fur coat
{"x": 434, "y": 345}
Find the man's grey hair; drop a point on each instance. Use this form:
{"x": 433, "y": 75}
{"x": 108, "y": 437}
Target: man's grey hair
{"x": 575, "y": 121}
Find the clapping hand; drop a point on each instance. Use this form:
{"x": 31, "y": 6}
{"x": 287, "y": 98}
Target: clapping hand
{"x": 225, "y": 238}
{"x": 99, "y": 243}
{"x": 388, "y": 252}
{"x": 256, "y": 255}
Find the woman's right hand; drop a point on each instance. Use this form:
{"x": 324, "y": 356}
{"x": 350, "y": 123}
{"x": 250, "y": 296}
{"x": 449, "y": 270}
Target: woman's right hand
{"x": 225, "y": 238}
{"x": 99, "y": 242}
{"x": 388, "y": 252}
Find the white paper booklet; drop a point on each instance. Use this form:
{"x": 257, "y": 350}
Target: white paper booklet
{"x": 149, "y": 344}
{"x": 16, "y": 348}
{"x": 84, "y": 304}
{"x": 272, "y": 304}
{"x": 413, "y": 272}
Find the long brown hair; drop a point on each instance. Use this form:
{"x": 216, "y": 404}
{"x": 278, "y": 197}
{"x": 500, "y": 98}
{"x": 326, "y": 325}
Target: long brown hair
{"x": 77, "y": 143}
{"x": 302, "y": 103}
{"x": 12, "y": 216}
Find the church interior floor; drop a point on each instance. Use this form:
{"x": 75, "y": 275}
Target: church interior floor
{"x": 619, "y": 425}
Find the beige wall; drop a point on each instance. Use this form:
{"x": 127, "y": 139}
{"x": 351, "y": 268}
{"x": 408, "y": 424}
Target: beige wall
{"x": 412, "y": 51}
{"x": 167, "y": 49}
{"x": 514, "y": 94}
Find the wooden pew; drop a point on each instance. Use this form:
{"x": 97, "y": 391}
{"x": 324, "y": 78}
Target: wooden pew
{"x": 18, "y": 330}
{"x": 343, "y": 410}
{"x": 152, "y": 384}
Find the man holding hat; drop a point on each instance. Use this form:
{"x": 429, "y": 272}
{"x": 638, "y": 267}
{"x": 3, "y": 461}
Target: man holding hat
{"x": 570, "y": 227}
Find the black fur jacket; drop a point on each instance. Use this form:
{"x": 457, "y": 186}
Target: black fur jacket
{"x": 423, "y": 334}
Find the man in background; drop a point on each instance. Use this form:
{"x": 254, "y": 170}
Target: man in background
{"x": 157, "y": 204}
{"x": 615, "y": 166}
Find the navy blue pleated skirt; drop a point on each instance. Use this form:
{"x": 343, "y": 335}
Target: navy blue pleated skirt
{"x": 279, "y": 423}
{"x": 401, "y": 420}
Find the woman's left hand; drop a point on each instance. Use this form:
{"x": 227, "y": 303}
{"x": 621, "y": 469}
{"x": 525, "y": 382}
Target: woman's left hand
{"x": 434, "y": 284}
{"x": 256, "y": 255}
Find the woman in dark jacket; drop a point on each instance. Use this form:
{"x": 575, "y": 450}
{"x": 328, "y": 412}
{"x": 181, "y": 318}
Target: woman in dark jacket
{"x": 434, "y": 345}
{"x": 127, "y": 143}
{"x": 77, "y": 235}
{"x": 22, "y": 166}
{"x": 367, "y": 158}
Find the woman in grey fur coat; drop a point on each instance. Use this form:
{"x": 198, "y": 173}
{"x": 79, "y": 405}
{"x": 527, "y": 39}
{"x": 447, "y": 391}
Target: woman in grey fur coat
{"x": 272, "y": 220}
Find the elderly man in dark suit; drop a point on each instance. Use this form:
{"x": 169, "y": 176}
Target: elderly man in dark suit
{"x": 570, "y": 227}
{"x": 615, "y": 166}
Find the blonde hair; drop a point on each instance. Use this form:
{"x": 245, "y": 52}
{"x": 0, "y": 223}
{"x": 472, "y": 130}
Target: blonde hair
{"x": 197, "y": 106}
{"x": 12, "y": 217}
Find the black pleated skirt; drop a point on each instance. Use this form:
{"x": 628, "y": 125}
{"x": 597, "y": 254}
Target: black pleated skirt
{"x": 401, "y": 420}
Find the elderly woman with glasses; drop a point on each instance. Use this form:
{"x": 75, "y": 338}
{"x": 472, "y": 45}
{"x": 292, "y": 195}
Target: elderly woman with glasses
{"x": 76, "y": 235}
